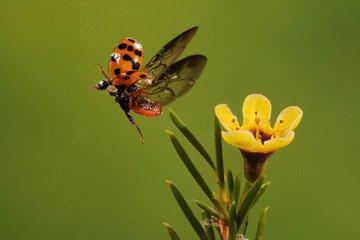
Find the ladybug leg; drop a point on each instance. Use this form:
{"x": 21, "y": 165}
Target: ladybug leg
{"x": 124, "y": 100}
{"x": 137, "y": 127}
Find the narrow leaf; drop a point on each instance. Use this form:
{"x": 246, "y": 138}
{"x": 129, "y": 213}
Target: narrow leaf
{"x": 219, "y": 156}
{"x": 237, "y": 188}
{"x": 232, "y": 222}
{"x": 188, "y": 212}
{"x": 230, "y": 181}
{"x": 261, "y": 192}
{"x": 192, "y": 139}
{"x": 244, "y": 207}
{"x": 244, "y": 225}
{"x": 208, "y": 225}
{"x": 244, "y": 192}
{"x": 261, "y": 225}
{"x": 209, "y": 210}
{"x": 190, "y": 166}
{"x": 223, "y": 210}
{"x": 171, "y": 231}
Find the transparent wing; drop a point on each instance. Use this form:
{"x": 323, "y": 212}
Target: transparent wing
{"x": 169, "y": 53}
{"x": 176, "y": 80}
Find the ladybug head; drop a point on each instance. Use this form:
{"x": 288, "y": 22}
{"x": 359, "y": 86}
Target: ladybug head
{"x": 102, "y": 85}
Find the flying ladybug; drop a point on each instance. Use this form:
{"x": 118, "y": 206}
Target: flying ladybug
{"x": 145, "y": 89}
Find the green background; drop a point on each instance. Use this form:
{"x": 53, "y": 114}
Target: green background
{"x": 72, "y": 166}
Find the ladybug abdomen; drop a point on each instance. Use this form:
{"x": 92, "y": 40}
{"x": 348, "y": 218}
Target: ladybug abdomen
{"x": 145, "y": 107}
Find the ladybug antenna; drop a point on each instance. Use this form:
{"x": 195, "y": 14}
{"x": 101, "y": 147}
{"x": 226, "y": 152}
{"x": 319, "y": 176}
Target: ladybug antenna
{"x": 103, "y": 72}
{"x": 137, "y": 127}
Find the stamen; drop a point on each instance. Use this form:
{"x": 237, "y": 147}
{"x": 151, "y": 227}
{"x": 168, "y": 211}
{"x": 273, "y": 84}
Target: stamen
{"x": 257, "y": 119}
{"x": 257, "y": 137}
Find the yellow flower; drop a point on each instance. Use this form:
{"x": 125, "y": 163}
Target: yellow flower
{"x": 255, "y": 138}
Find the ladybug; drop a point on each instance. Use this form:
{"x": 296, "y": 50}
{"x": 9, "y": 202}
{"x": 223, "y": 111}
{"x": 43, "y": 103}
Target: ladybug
{"x": 144, "y": 90}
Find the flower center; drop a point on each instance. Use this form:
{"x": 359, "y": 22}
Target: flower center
{"x": 260, "y": 135}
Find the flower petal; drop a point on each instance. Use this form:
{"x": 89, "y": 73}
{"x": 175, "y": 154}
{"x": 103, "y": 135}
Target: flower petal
{"x": 226, "y": 117}
{"x": 288, "y": 119}
{"x": 241, "y": 139}
{"x": 276, "y": 143}
{"x": 256, "y": 112}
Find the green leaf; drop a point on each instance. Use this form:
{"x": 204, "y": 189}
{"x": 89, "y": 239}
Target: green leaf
{"x": 190, "y": 166}
{"x": 237, "y": 186}
{"x": 244, "y": 225}
{"x": 244, "y": 207}
{"x": 261, "y": 225}
{"x": 232, "y": 222}
{"x": 188, "y": 212}
{"x": 223, "y": 210}
{"x": 261, "y": 192}
{"x": 208, "y": 225}
{"x": 230, "y": 181}
{"x": 219, "y": 156}
{"x": 171, "y": 231}
{"x": 192, "y": 139}
{"x": 209, "y": 210}
{"x": 244, "y": 192}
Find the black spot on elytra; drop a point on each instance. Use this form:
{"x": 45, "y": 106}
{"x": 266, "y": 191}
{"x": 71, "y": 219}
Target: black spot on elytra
{"x": 138, "y": 52}
{"x": 143, "y": 76}
{"x": 126, "y": 57}
{"x": 131, "y": 40}
{"x": 130, "y": 48}
{"x": 129, "y": 72}
{"x": 126, "y": 78}
{"x": 135, "y": 65}
{"x": 117, "y": 71}
{"x": 122, "y": 46}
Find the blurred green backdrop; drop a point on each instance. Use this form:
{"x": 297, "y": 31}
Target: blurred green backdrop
{"x": 72, "y": 167}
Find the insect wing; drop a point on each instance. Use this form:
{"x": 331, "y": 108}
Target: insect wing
{"x": 169, "y": 53}
{"x": 177, "y": 80}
